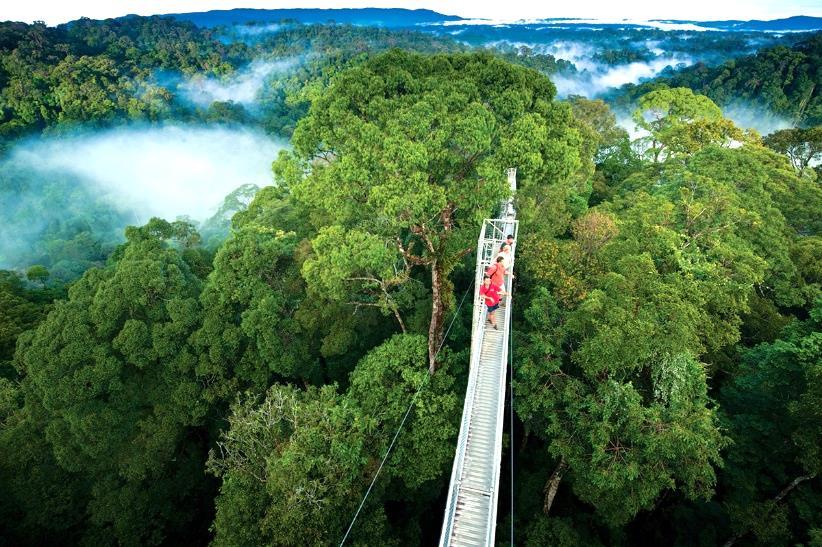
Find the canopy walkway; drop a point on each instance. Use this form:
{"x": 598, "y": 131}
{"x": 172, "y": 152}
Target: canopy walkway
{"x": 471, "y": 509}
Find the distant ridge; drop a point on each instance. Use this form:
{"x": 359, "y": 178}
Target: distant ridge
{"x": 401, "y": 17}
{"x": 796, "y": 23}
{"x": 381, "y": 17}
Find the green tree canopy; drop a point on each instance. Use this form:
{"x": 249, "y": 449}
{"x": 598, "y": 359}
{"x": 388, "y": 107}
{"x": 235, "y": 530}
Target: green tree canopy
{"x": 626, "y": 317}
{"x": 296, "y": 464}
{"x": 38, "y": 274}
{"x": 802, "y": 146}
{"x": 112, "y": 376}
{"x": 772, "y": 411}
{"x": 681, "y": 122}
{"x": 249, "y": 333}
{"x": 412, "y": 150}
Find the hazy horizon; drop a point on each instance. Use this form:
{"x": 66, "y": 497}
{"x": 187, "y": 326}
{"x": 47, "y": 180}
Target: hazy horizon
{"x": 698, "y": 10}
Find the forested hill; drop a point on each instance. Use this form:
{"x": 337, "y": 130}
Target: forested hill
{"x": 796, "y": 23}
{"x": 103, "y": 72}
{"x": 784, "y": 81}
{"x": 387, "y": 17}
{"x": 137, "y": 73}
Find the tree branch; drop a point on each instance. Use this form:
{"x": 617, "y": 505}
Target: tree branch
{"x": 785, "y": 491}
{"x": 408, "y": 257}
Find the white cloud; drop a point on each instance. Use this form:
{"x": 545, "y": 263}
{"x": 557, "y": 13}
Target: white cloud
{"x": 242, "y": 87}
{"x": 159, "y": 171}
{"x": 600, "y": 78}
{"x": 662, "y": 25}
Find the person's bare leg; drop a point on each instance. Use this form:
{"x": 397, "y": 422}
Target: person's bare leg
{"x": 493, "y": 321}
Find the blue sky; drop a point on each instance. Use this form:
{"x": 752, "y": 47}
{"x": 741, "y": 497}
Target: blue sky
{"x": 59, "y": 12}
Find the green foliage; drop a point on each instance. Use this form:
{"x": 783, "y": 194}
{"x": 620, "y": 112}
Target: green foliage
{"x": 644, "y": 291}
{"x": 322, "y": 51}
{"x": 605, "y": 148}
{"x": 99, "y": 71}
{"x": 295, "y": 465}
{"x": 216, "y": 229}
{"x": 383, "y": 383}
{"x": 802, "y": 146}
{"x": 394, "y": 146}
{"x": 563, "y": 532}
{"x": 621, "y": 56}
{"x": 527, "y": 57}
{"x": 249, "y": 331}
{"x": 650, "y": 282}
{"x": 112, "y": 378}
{"x": 599, "y": 129}
{"x": 42, "y": 503}
{"x": 625, "y": 419}
{"x": 300, "y": 457}
{"x": 38, "y": 274}
{"x": 783, "y": 80}
{"x": 20, "y": 310}
{"x": 772, "y": 412}
{"x": 781, "y": 210}
{"x": 680, "y": 122}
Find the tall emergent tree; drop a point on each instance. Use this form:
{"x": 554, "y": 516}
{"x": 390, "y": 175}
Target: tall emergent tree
{"x": 802, "y": 146}
{"x": 681, "y": 122}
{"x": 401, "y": 158}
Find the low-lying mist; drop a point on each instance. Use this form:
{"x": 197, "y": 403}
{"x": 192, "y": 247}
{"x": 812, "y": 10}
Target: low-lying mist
{"x": 254, "y": 30}
{"x": 749, "y": 116}
{"x": 593, "y": 77}
{"x": 242, "y": 87}
{"x": 158, "y": 171}
{"x": 744, "y": 116}
{"x": 90, "y": 185}
{"x": 599, "y": 79}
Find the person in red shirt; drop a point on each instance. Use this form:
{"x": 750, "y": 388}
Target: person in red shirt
{"x": 497, "y": 272}
{"x": 492, "y": 294}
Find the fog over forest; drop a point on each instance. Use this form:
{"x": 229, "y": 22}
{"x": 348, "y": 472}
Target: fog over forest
{"x": 219, "y": 134}
{"x": 175, "y": 169}
{"x": 242, "y": 87}
{"x": 163, "y": 171}
{"x": 137, "y": 171}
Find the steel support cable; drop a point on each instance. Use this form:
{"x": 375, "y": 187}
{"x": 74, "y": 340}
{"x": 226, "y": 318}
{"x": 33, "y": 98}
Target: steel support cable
{"x": 402, "y": 423}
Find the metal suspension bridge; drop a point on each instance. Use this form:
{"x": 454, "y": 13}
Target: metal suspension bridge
{"x": 471, "y": 509}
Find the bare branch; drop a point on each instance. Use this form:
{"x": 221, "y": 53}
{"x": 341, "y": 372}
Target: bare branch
{"x": 785, "y": 491}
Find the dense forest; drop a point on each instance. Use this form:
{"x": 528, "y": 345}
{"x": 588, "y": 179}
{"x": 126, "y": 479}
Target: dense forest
{"x": 237, "y": 381}
{"x": 783, "y": 80}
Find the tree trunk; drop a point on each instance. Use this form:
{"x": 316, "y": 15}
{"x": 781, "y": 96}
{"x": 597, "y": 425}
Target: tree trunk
{"x": 785, "y": 491}
{"x": 437, "y": 315}
{"x": 552, "y": 486}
